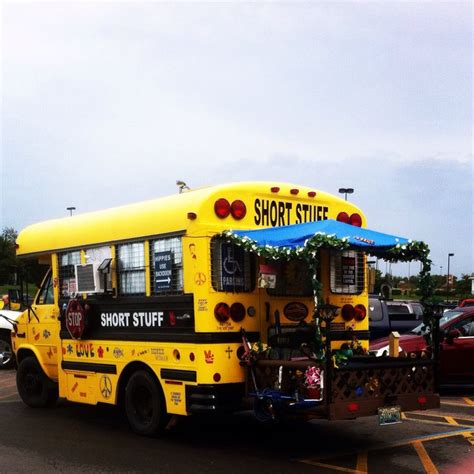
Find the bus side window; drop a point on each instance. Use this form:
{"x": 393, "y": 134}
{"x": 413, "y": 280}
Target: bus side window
{"x": 46, "y": 294}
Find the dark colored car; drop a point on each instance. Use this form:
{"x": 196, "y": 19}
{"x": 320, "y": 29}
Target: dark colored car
{"x": 387, "y": 316}
{"x": 457, "y": 345}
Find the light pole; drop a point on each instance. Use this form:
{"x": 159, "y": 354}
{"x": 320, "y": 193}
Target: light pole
{"x": 448, "y": 281}
{"x": 70, "y": 209}
{"x": 346, "y": 191}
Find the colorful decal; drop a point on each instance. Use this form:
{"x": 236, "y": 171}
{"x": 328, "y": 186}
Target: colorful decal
{"x": 142, "y": 352}
{"x": 64, "y": 350}
{"x": 232, "y": 268}
{"x": 209, "y": 357}
{"x": 176, "y": 398}
{"x": 199, "y": 278}
{"x": 295, "y": 311}
{"x": 229, "y": 352}
{"x": 83, "y": 394}
{"x": 46, "y": 334}
{"x": 100, "y": 352}
{"x": 159, "y": 354}
{"x": 73, "y": 389}
{"x": 55, "y": 282}
{"x": 192, "y": 250}
{"x": 37, "y": 336}
{"x": 49, "y": 353}
{"x": 69, "y": 349}
{"x": 105, "y": 386}
{"x": 118, "y": 352}
{"x": 84, "y": 350}
{"x": 202, "y": 304}
{"x": 363, "y": 239}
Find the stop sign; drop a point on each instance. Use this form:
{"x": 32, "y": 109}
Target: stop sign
{"x": 75, "y": 319}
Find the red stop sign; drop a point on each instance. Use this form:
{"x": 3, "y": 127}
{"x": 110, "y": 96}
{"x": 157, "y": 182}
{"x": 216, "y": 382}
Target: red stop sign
{"x": 75, "y": 319}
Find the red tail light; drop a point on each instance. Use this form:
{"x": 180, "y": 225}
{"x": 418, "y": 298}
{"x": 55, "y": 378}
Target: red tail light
{"x": 238, "y": 209}
{"x": 343, "y": 217}
{"x": 356, "y": 220}
{"x": 222, "y": 312}
{"x": 347, "y": 312}
{"x": 237, "y": 312}
{"x": 352, "y": 407}
{"x": 222, "y": 208}
{"x": 360, "y": 312}
{"x": 422, "y": 400}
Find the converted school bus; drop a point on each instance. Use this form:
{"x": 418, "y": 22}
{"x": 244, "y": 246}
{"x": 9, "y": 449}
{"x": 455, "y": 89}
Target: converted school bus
{"x": 144, "y": 306}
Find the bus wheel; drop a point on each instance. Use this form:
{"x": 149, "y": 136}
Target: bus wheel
{"x": 34, "y": 387}
{"x": 7, "y": 360}
{"x": 144, "y": 404}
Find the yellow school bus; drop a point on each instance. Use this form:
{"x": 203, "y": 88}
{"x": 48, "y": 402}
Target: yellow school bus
{"x": 163, "y": 307}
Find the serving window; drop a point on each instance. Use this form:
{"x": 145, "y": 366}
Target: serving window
{"x": 293, "y": 278}
{"x": 347, "y": 272}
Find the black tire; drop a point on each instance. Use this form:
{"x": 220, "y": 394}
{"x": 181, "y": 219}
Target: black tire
{"x": 144, "y": 404}
{"x": 7, "y": 358}
{"x": 34, "y": 386}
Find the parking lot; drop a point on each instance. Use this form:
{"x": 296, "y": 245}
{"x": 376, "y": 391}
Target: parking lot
{"x": 95, "y": 439}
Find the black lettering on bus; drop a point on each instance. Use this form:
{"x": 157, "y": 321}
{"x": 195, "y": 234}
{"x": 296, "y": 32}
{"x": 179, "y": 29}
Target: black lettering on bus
{"x": 281, "y": 213}
{"x": 298, "y": 214}
{"x": 288, "y": 212}
{"x": 257, "y": 212}
{"x": 264, "y": 212}
{"x": 273, "y": 214}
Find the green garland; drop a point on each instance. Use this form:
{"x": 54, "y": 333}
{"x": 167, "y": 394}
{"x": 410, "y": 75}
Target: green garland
{"x": 412, "y": 250}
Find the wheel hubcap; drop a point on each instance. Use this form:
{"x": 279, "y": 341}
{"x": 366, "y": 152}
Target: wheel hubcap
{"x": 5, "y": 353}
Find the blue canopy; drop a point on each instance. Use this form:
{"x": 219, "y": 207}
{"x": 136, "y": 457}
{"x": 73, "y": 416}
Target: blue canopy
{"x": 297, "y": 235}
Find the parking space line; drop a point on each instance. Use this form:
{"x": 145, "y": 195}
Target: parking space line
{"x": 414, "y": 417}
{"x": 469, "y": 437}
{"x": 331, "y": 466}
{"x": 425, "y": 459}
{"x": 362, "y": 462}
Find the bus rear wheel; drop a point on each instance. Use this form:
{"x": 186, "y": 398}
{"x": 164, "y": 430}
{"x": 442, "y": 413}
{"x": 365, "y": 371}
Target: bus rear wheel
{"x": 145, "y": 405}
{"x": 34, "y": 386}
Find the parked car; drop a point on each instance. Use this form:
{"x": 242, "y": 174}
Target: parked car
{"x": 7, "y": 359}
{"x": 457, "y": 345}
{"x": 466, "y": 302}
{"x": 387, "y": 316}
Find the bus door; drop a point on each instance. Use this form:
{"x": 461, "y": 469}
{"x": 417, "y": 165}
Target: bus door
{"x": 43, "y": 327}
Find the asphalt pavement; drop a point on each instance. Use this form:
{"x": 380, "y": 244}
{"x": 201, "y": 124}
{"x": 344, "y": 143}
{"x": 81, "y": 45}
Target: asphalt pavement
{"x": 79, "y": 438}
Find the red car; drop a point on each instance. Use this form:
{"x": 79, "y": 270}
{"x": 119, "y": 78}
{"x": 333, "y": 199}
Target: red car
{"x": 457, "y": 345}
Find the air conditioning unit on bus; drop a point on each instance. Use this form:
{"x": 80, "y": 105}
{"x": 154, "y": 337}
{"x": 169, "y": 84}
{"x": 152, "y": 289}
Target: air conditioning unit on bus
{"x": 89, "y": 279}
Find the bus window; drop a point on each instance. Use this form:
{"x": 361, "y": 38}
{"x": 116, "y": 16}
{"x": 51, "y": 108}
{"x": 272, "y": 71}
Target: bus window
{"x": 46, "y": 294}
{"x": 293, "y": 279}
{"x": 131, "y": 268}
{"x": 233, "y": 269}
{"x": 347, "y": 272}
{"x": 166, "y": 266}
{"x": 67, "y": 276}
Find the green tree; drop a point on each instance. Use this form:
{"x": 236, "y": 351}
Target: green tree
{"x": 8, "y": 261}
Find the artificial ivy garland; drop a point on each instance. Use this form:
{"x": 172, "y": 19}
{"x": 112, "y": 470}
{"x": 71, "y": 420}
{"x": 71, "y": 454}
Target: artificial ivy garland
{"x": 412, "y": 250}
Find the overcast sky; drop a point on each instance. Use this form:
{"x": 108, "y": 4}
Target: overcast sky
{"x": 109, "y": 103}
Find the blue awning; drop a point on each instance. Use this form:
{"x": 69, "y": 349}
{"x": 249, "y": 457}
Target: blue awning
{"x": 297, "y": 235}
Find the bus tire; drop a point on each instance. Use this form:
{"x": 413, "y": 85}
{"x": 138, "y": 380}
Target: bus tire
{"x": 145, "y": 405}
{"x": 7, "y": 358}
{"x": 35, "y": 388}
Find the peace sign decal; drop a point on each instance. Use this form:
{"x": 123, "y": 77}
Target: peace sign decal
{"x": 199, "y": 278}
{"x": 105, "y": 386}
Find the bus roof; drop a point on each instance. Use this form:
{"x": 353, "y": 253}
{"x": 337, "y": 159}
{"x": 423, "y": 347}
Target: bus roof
{"x": 170, "y": 214}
